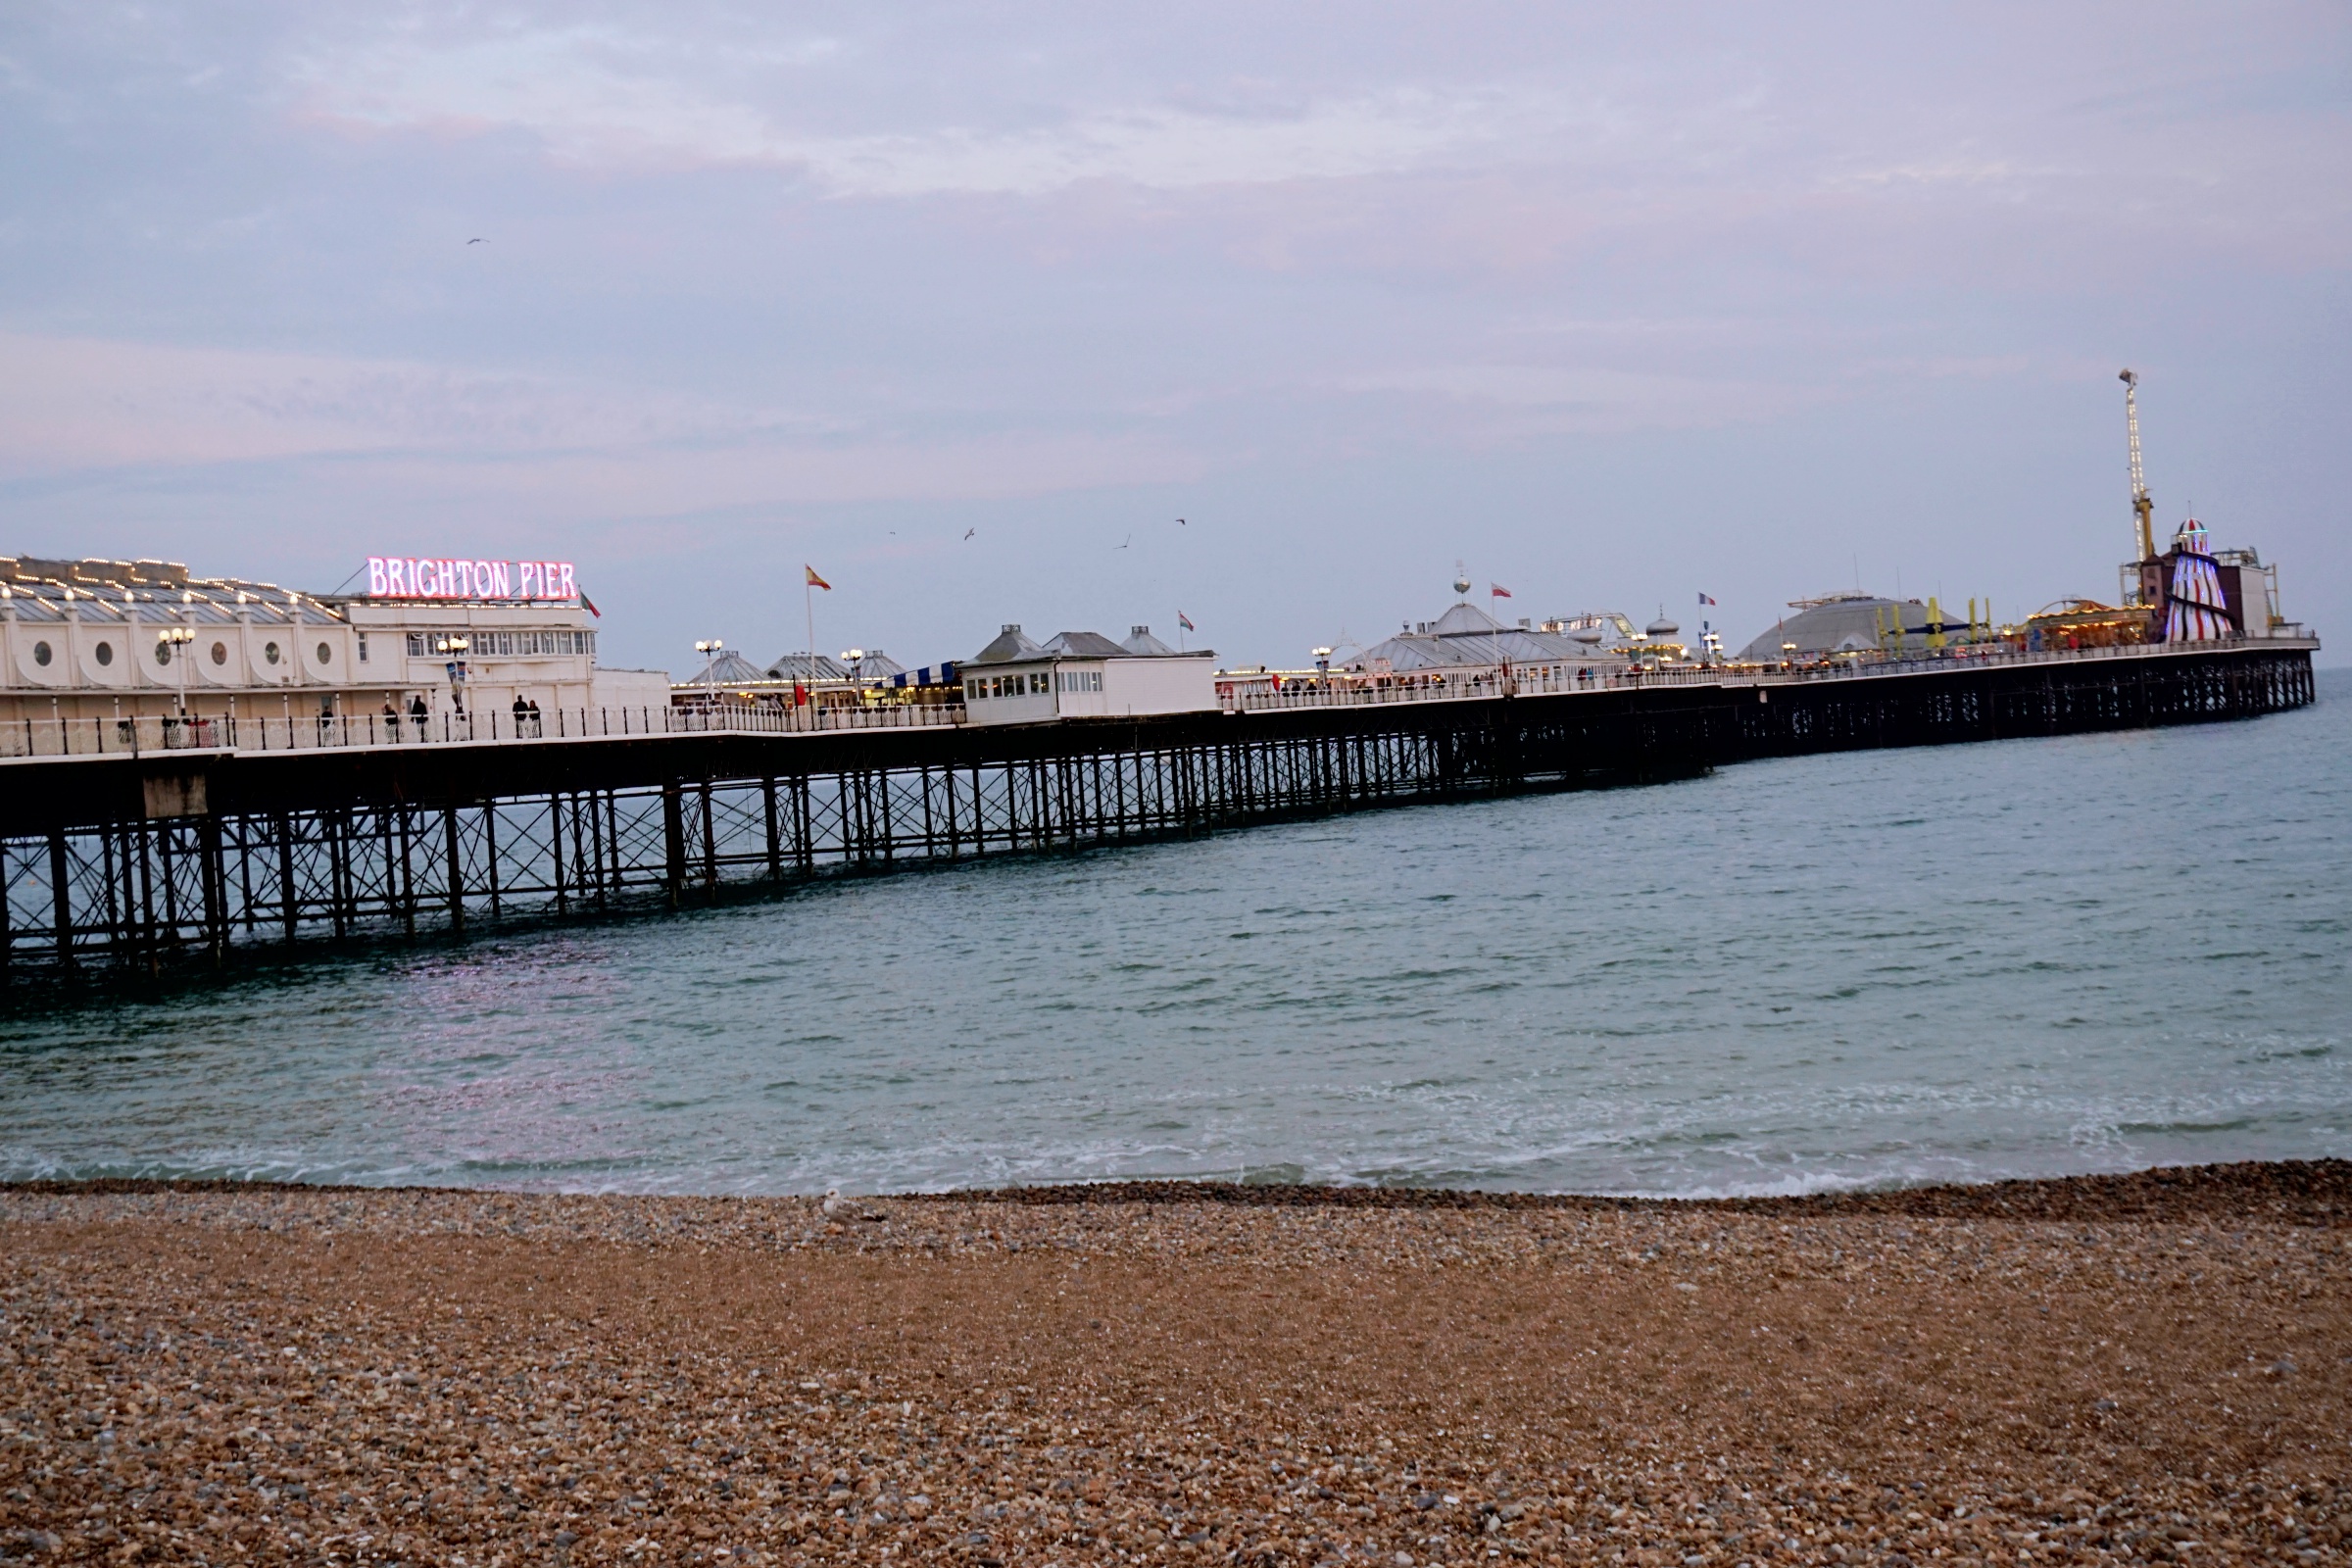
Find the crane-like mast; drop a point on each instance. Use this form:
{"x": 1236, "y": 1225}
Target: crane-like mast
{"x": 2142, "y": 505}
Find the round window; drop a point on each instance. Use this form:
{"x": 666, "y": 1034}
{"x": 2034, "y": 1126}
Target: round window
{"x": 270, "y": 651}
{"x": 220, "y": 652}
{"x": 325, "y": 654}
{"x": 40, "y": 653}
{"x": 162, "y": 652}
{"x": 105, "y": 653}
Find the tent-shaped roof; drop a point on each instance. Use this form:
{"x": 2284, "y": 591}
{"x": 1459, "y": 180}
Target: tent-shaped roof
{"x": 1463, "y": 619}
{"x": 1008, "y": 644}
{"x": 801, "y": 667}
{"x": 729, "y": 668}
{"x": 1085, "y": 645}
{"x": 1467, "y": 637}
{"x": 1143, "y": 644}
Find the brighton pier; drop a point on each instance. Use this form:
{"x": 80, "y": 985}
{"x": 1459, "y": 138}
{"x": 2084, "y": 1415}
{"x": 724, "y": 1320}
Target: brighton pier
{"x": 145, "y": 845}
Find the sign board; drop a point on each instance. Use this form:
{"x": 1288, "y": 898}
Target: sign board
{"x": 432, "y": 577}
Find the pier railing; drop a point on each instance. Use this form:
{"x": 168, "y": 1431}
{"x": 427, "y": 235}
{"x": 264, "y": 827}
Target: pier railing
{"x": 1372, "y": 691}
{"x": 1375, "y": 691}
{"x": 36, "y": 738}
{"x": 297, "y": 732}
{"x": 1996, "y": 655}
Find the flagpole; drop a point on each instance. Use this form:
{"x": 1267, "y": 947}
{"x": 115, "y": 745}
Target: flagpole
{"x": 808, "y": 608}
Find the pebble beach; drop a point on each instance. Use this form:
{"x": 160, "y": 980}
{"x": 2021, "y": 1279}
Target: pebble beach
{"x": 2148, "y": 1368}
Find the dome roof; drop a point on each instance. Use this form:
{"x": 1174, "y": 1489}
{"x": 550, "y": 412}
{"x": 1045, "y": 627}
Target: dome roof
{"x": 1661, "y": 627}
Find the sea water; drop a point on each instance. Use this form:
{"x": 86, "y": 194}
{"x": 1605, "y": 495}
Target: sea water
{"x": 2025, "y": 957}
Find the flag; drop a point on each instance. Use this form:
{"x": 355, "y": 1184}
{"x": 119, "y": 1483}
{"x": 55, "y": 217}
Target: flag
{"x": 591, "y": 606}
{"x": 1704, "y": 600}
{"x": 815, "y": 582}
{"x": 1184, "y": 620}
{"x": 1499, "y": 590}
{"x": 800, "y": 695}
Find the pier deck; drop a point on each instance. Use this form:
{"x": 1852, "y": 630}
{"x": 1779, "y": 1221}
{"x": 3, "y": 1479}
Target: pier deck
{"x": 159, "y": 850}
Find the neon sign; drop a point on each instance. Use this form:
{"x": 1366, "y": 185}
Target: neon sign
{"x": 432, "y": 577}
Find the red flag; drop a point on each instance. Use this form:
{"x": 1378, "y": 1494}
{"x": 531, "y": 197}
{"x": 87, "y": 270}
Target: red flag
{"x": 592, "y": 610}
{"x": 1499, "y": 590}
{"x": 815, "y": 582}
{"x": 800, "y": 695}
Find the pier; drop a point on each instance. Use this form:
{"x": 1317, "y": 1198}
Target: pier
{"x": 126, "y": 848}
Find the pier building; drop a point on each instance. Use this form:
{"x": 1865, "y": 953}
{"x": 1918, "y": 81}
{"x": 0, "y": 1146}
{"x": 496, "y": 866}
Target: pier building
{"x": 88, "y": 641}
{"x": 1084, "y": 674}
{"x": 1467, "y": 637}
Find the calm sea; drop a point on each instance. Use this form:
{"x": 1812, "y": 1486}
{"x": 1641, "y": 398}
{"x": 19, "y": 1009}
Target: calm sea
{"x": 2027, "y": 958}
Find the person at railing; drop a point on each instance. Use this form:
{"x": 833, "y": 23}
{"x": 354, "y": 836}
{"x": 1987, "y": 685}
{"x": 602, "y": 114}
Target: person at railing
{"x": 418, "y": 713}
{"x": 531, "y": 711}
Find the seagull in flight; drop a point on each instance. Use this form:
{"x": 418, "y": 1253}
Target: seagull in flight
{"x": 1130, "y": 540}
{"x": 968, "y": 532}
{"x": 1179, "y": 522}
{"x": 474, "y": 243}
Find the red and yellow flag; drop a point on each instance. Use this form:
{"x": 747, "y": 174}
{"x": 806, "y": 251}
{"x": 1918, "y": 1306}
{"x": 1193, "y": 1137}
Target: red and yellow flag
{"x": 815, "y": 582}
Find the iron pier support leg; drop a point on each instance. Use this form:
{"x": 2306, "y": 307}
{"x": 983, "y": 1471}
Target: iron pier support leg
{"x": 776, "y": 847}
{"x": 288, "y": 906}
{"x": 490, "y": 850}
{"x": 61, "y": 888}
{"x": 674, "y": 843}
{"x": 146, "y": 906}
{"x": 456, "y": 870}
{"x": 408, "y": 872}
{"x": 555, "y": 850}
{"x": 215, "y": 890}
{"x": 709, "y": 846}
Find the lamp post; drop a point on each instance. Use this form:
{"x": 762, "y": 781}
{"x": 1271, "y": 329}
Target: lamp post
{"x": 177, "y": 639}
{"x": 452, "y": 648}
{"x": 1323, "y": 664}
{"x": 709, "y": 648}
{"x": 853, "y": 657}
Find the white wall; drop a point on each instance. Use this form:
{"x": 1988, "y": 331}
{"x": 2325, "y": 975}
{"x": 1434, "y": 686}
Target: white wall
{"x": 1184, "y": 684}
{"x": 617, "y": 689}
{"x": 1030, "y": 707}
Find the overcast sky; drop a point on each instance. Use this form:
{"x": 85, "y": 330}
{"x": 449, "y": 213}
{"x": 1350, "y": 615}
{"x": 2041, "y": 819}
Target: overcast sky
{"x": 1616, "y": 305}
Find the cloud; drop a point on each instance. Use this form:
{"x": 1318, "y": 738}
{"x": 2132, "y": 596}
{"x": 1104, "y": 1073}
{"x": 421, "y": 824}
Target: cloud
{"x": 1520, "y": 399}
{"x": 92, "y": 408}
{"x": 597, "y": 98}
{"x": 76, "y": 402}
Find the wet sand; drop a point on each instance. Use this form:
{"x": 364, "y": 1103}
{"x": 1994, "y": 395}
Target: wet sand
{"x": 2140, "y": 1368}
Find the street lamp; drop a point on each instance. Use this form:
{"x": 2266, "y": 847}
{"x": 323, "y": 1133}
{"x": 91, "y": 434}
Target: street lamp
{"x": 173, "y": 644}
{"x": 451, "y": 647}
{"x": 1323, "y": 664}
{"x": 709, "y": 648}
{"x": 854, "y": 657}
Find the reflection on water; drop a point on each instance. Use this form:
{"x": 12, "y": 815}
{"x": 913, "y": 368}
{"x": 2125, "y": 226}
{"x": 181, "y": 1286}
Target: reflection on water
{"x": 2091, "y": 953}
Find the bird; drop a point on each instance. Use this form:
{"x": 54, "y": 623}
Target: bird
{"x": 1179, "y": 522}
{"x": 968, "y": 532}
{"x": 474, "y": 243}
{"x": 836, "y": 1206}
{"x": 1130, "y": 540}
